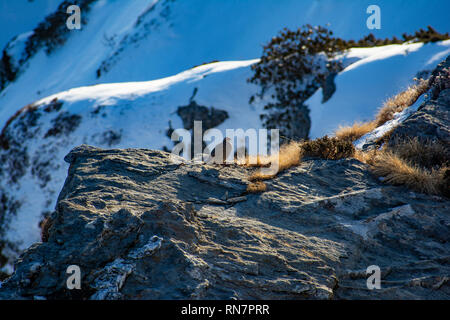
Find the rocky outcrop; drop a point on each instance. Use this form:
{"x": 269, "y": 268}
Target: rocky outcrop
{"x": 432, "y": 119}
{"x": 142, "y": 227}
{"x": 427, "y": 119}
{"x": 328, "y": 86}
{"x": 35, "y": 139}
{"x": 210, "y": 117}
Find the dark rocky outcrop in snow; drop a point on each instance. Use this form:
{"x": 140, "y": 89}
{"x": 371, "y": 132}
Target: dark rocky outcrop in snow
{"x": 142, "y": 227}
{"x": 328, "y": 87}
{"x": 210, "y": 117}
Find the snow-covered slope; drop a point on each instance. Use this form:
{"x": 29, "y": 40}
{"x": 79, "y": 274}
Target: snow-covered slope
{"x": 362, "y": 87}
{"x": 21, "y": 16}
{"x": 137, "y": 114}
{"x": 141, "y": 40}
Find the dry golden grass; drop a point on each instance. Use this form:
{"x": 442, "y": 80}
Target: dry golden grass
{"x": 398, "y": 171}
{"x": 395, "y": 104}
{"x": 363, "y": 156}
{"x": 256, "y": 161}
{"x": 356, "y": 131}
{"x": 292, "y": 153}
{"x": 421, "y": 166}
{"x": 256, "y": 187}
{"x": 426, "y": 154}
{"x": 400, "y": 102}
{"x": 289, "y": 155}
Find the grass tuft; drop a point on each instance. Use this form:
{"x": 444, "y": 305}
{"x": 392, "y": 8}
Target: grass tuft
{"x": 426, "y": 154}
{"x": 419, "y": 165}
{"x": 356, "y": 131}
{"x": 400, "y": 102}
{"x": 395, "y": 104}
{"x": 398, "y": 171}
{"x": 256, "y": 187}
{"x": 292, "y": 153}
{"x": 289, "y": 155}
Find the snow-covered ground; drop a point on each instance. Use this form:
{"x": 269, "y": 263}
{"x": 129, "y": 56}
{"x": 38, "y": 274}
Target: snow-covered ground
{"x": 21, "y": 16}
{"x": 378, "y": 74}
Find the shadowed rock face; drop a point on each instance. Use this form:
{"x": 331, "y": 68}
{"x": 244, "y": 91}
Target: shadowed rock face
{"x": 141, "y": 227}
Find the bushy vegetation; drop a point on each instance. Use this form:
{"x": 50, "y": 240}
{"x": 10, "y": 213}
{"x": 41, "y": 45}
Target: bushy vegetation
{"x": 425, "y": 36}
{"x": 7, "y": 69}
{"x": 292, "y": 153}
{"x": 405, "y": 165}
{"x": 328, "y": 148}
{"x": 52, "y": 32}
{"x": 291, "y": 69}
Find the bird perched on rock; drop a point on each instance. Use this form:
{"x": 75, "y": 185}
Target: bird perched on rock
{"x": 224, "y": 148}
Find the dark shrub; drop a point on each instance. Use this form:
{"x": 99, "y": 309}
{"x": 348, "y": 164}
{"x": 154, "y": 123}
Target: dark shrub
{"x": 328, "y": 148}
{"x": 293, "y": 66}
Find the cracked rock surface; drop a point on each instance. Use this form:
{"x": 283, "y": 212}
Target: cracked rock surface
{"x": 142, "y": 227}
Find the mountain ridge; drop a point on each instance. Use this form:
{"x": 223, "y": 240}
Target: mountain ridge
{"x": 140, "y": 114}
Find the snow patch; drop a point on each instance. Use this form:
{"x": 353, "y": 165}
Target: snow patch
{"x": 111, "y": 280}
{"x": 152, "y": 245}
{"x": 374, "y": 75}
{"x": 399, "y": 117}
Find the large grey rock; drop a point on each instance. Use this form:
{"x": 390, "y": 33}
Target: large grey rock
{"x": 141, "y": 227}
